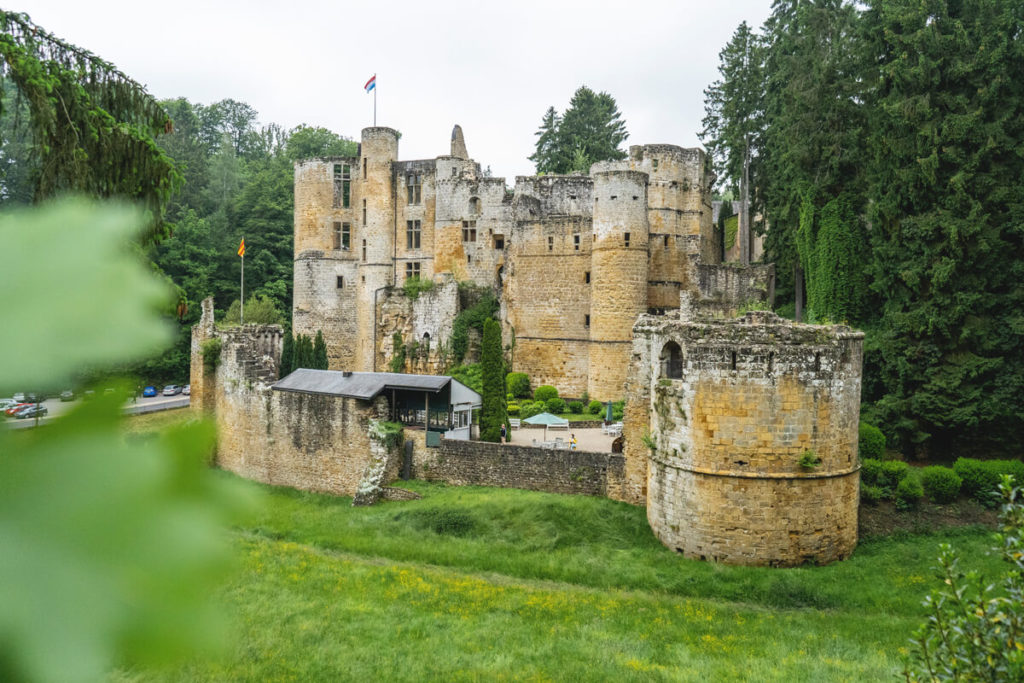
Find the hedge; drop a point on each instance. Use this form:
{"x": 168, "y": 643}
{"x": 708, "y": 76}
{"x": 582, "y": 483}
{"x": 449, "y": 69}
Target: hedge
{"x": 941, "y": 483}
{"x": 872, "y": 441}
{"x": 544, "y": 392}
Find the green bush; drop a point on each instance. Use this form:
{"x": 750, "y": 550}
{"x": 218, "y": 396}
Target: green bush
{"x": 909, "y": 492}
{"x": 892, "y": 473}
{"x": 871, "y": 494}
{"x": 981, "y": 477}
{"x": 512, "y": 409}
{"x": 544, "y": 392}
{"x": 870, "y": 471}
{"x": 595, "y": 407}
{"x": 530, "y": 409}
{"x": 518, "y": 384}
{"x": 872, "y": 441}
{"x": 211, "y": 353}
{"x": 575, "y": 407}
{"x": 940, "y": 483}
{"x": 555, "y": 406}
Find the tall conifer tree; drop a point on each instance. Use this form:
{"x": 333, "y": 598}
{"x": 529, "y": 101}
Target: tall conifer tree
{"x": 492, "y": 412}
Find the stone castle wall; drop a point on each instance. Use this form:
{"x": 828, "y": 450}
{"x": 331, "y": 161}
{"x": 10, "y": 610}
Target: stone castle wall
{"x": 424, "y": 324}
{"x": 479, "y": 463}
{"x": 724, "y": 440}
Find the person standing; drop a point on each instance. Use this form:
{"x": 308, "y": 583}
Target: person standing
{"x": 572, "y": 442}
{"x": 503, "y": 433}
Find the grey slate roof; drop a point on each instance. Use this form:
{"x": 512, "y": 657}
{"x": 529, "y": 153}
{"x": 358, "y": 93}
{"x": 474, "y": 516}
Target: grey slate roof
{"x": 364, "y": 385}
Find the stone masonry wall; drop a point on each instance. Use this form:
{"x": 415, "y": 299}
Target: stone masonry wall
{"x": 425, "y": 322}
{"x": 479, "y": 463}
{"x": 725, "y": 438}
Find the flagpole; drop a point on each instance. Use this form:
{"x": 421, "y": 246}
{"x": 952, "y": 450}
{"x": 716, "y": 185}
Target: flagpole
{"x": 375, "y": 102}
{"x": 241, "y": 300}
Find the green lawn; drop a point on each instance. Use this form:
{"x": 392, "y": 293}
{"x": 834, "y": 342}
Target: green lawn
{"x": 476, "y": 583}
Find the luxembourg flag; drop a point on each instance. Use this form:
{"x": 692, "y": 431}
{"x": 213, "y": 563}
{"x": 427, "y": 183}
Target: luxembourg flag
{"x": 371, "y": 84}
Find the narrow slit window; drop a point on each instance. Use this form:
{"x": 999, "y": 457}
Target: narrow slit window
{"x": 364, "y": 212}
{"x": 337, "y": 187}
{"x": 625, "y": 239}
{"x": 586, "y": 321}
{"x": 654, "y": 164}
{"x": 551, "y": 243}
{"x": 817, "y": 362}
{"x": 364, "y": 168}
{"x": 364, "y": 255}
{"x": 576, "y": 242}
{"x": 586, "y": 278}
{"x": 733, "y": 361}
{"x": 346, "y": 236}
{"x": 340, "y": 282}
{"x": 771, "y": 361}
{"x": 346, "y": 186}
{"x": 666, "y": 242}
{"x": 413, "y": 186}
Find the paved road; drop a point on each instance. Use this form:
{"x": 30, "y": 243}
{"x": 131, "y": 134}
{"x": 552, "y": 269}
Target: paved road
{"x": 56, "y": 407}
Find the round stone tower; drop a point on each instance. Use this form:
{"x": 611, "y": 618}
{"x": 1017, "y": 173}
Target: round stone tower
{"x": 752, "y": 437}
{"x": 618, "y": 276}
{"x": 376, "y": 237}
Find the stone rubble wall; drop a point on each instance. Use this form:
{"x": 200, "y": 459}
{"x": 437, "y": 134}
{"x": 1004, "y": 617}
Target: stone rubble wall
{"x": 480, "y": 463}
{"x": 425, "y": 321}
{"x": 726, "y": 289}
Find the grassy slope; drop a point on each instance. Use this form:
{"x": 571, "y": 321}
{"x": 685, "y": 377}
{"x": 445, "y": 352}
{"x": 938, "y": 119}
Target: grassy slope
{"x": 473, "y": 583}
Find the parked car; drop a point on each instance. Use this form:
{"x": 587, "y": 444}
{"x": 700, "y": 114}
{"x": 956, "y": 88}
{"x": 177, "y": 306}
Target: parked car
{"x": 149, "y": 391}
{"x": 172, "y": 390}
{"x": 15, "y": 408}
{"x": 187, "y": 390}
{"x": 6, "y": 403}
{"x": 31, "y": 410}
{"x": 35, "y": 398}
{"x": 67, "y": 395}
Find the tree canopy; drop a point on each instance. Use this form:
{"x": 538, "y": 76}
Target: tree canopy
{"x": 590, "y": 130}
{"x": 87, "y": 128}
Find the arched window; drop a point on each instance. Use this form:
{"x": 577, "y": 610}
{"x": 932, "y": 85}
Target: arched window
{"x": 672, "y": 361}
{"x": 474, "y": 206}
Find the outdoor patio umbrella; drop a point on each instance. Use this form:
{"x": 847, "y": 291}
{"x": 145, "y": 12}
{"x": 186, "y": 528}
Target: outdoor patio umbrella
{"x": 608, "y": 417}
{"x": 545, "y": 419}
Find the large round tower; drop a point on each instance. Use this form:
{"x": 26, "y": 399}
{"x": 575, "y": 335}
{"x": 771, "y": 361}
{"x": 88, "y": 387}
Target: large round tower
{"x": 618, "y": 276}
{"x": 751, "y": 436}
{"x": 376, "y": 237}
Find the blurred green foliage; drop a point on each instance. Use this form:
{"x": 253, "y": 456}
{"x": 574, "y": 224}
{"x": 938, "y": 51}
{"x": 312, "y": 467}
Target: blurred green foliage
{"x": 109, "y": 547}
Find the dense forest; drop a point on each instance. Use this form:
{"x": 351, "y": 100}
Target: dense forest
{"x": 880, "y": 149}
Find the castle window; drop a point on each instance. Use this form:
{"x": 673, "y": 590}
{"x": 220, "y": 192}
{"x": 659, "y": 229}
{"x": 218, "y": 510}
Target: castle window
{"x": 576, "y": 242}
{"x": 455, "y": 171}
{"x": 341, "y": 282}
{"x": 364, "y": 255}
{"x": 551, "y": 243}
{"x": 337, "y": 235}
{"x": 412, "y": 270}
{"x": 771, "y": 361}
{"x": 412, "y": 234}
{"x": 499, "y": 243}
{"x": 586, "y": 321}
{"x": 346, "y": 236}
{"x": 615, "y": 196}
{"x": 469, "y": 258}
{"x": 666, "y": 242}
{"x": 671, "y": 361}
{"x": 364, "y": 212}
{"x": 412, "y": 182}
{"x": 337, "y": 187}
{"x": 625, "y": 239}
{"x": 654, "y": 164}
{"x": 346, "y": 186}
{"x": 364, "y": 168}
{"x": 469, "y": 231}
{"x": 732, "y": 364}
{"x": 474, "y": 206}
{"x": 586, "y": 278}
{"x": 817, "y": 362}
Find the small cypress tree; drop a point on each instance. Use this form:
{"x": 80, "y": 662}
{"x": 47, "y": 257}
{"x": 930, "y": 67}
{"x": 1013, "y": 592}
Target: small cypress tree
{"x": 303, "y": 352}
{"x": 492, "y": 413}
{"x": 319, "y": 352}
{"x": 287, "y": 354}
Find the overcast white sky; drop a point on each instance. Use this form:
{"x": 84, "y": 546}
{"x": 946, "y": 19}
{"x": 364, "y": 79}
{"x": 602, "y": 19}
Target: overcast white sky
{"x": 492, "y": 67}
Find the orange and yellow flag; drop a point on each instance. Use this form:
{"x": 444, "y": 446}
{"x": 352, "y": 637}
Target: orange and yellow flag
{"x": 241, "y": 248}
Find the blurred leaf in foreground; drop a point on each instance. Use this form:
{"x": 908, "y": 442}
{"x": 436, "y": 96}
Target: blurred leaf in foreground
{"x": 109, "y": 547}
{"x": 74, "y": 294}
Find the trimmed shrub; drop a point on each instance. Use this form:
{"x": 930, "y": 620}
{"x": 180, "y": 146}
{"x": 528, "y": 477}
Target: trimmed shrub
{"x": 940, "y": 483}
{"x": 512, "y": 409}
{"x": 871, "y": 494}
{"x": 872, "y": 441}
{"x": 544, "y": 392}
{"x": 555, "y": 406}
{"x": 530, "y": 409}
{"x": 595, "y": 407}
{"x": 576, "y": 407}
{"x": 978, "y": 480}
{"x": 892, "y": 473}
{"x": 518, "y": 384}
{"x": 870, "y": 471}
{"x": 509, "y": 397}
{"x": 909, "y": 492}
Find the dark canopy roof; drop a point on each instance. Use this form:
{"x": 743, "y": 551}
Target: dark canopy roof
{"x": 364, "y": 385}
